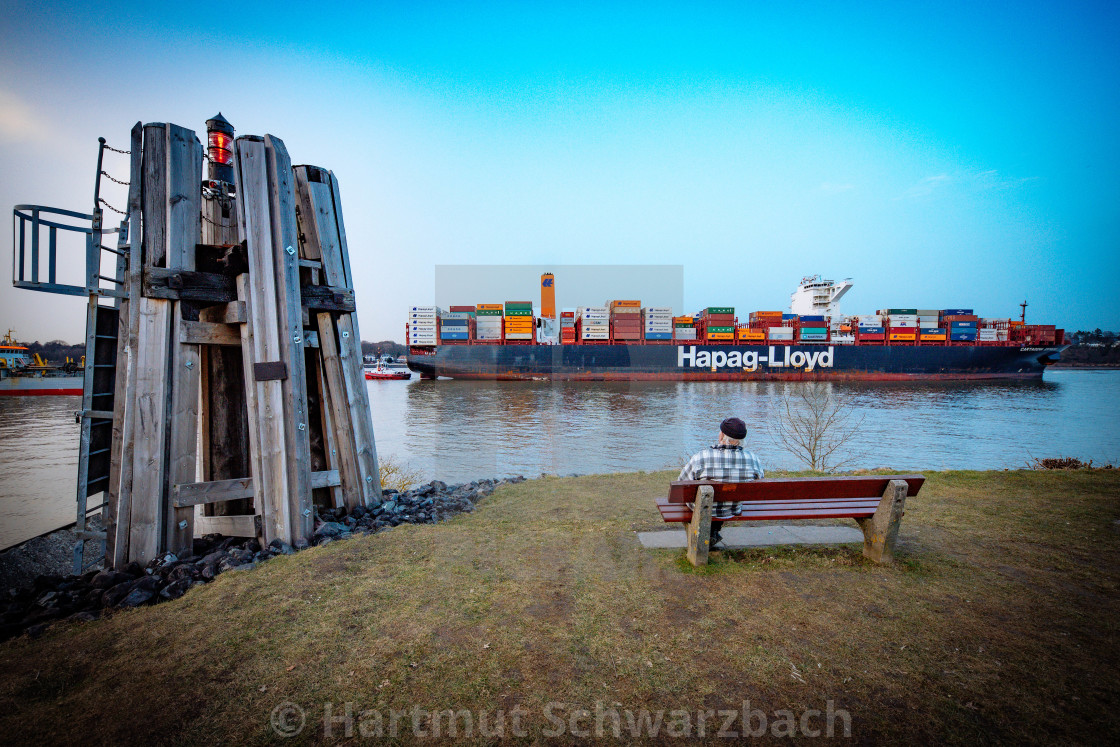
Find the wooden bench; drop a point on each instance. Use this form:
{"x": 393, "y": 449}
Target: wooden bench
{"x": 876, "y": 502}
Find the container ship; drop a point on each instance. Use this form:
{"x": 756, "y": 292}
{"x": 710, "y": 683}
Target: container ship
{"x": 625, "y": 341}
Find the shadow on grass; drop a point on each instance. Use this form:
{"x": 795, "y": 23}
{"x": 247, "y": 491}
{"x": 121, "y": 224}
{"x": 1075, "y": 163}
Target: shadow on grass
{"x": 800, "y": 558}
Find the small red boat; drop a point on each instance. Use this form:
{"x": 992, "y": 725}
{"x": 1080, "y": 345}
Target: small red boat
{"x": 383, "y": 374}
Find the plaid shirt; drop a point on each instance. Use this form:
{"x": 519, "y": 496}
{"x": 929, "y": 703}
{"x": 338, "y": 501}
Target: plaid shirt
{"x": 721, "y": 463}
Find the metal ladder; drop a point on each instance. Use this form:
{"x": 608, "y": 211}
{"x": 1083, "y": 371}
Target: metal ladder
{"x": 102, "y": 330}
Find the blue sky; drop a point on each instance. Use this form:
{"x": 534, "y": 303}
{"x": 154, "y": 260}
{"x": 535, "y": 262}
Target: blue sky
{"x": 942, "y": 155}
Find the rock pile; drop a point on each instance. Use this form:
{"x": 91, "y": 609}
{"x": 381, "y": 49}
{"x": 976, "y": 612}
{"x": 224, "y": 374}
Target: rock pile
{"x": 86, "y": 597}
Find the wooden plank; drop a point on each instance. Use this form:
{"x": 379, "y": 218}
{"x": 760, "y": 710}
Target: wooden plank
{"x": 186, "y": 381}
{"x": 149, "y": 470}
{"x": 187, "y": 285}
{"x": 119, "y": 499}
{"x": 154, "y": 195}
{"x": 184, "y": 175}
{"x": 325, "y": 479}
{"x": 207, "y": 333}
{"x": 285, "y": 244}
{"x": 230, "y": 526}
{"x": 197, "y": 493}
{"x": 326, "y": 424}
{"x": 261, "y": 343}
{"x": 804, "y": 488}
{"x": 327, "y": 298}
{"x": 226, "y": 313}
{"x": 339, "y": 414}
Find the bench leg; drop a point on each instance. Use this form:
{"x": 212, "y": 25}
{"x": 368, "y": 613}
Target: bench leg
{"x": 700, "y": 528}
{"x": 881, "y": 530}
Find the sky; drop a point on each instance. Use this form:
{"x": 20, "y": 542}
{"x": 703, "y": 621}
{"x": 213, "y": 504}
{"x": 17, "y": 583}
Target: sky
{"x": 950, "y": 154}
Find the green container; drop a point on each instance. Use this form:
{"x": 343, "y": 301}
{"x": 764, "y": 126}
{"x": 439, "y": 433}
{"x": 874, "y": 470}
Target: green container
{"x": 814, "y": 330}
{"x": 488, "y": 312}
{"x": 719, "y": 330}
{"x": 519, "y": 312}
{"x": 902, "y": 311}
{"x": 720, "y": 310}
{"x": 684, "y": 325}
{"x": 519, "y": 305}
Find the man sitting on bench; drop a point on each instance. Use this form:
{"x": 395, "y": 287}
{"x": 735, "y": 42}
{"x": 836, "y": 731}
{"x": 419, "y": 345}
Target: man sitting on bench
{"x": 726, "y": 461}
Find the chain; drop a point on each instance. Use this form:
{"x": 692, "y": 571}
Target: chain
{"x": 115, "y": 150}
{"x": 112, "y": 179}
{"x": 106, "y": 204}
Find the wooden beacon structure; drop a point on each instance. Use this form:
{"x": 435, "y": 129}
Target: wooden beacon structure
{"x": 223, "y": 387}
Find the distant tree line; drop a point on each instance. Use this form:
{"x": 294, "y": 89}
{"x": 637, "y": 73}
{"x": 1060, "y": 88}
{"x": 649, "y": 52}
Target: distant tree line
{"x": 56, "y": 351}
{"x": 1083, "y": 337}
{"x": 385, "y": 347}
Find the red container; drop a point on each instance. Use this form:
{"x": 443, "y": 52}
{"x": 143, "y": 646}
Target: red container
{"x": 454, "y": 309}
{"x": 873, "y": 336}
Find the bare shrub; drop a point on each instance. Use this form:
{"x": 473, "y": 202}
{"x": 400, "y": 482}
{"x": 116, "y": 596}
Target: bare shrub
{"x": 816, "y": 424}
{"x": 395, "y": 474}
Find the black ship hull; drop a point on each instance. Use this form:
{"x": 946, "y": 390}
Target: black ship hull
{"x": 687, "y": 362}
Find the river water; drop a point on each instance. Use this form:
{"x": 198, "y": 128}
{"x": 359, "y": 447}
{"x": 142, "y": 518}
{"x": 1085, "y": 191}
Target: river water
{"x": 459, "y": 430}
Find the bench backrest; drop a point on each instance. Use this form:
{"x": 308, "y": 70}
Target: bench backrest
{"x": 794, "y": 488}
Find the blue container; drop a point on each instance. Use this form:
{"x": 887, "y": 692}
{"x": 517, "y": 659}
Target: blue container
{"x": 786, "y": 317}
{"x": 446, "y": 335}
{"x": 659, "y": 335}
{"x": 872, "y": 330}
{"x": 810, "y": 318}
{"x": 455, "y": 322}
{"x": 936, "y": 331}
{"x": 958, "y": 325}
{"x": 961, "y": 337}
{"x": 956, "y": 312}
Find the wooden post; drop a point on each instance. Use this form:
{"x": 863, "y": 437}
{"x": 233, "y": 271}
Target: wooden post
{"x": 265, "y": 368}
{"x": 119, "y": 513}
{"x": 700, "y": 528}
{"x": 184, "y": 177}
{"x": 324, "y": 239}
{"x": 881, "y": 530}
{"x": 339, "y": 413}
{"x": 291, "y": 337}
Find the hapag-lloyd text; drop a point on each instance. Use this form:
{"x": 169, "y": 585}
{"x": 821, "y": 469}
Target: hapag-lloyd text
{"x": 778, "y": 357}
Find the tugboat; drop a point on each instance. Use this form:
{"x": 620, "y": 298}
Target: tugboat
{"x": 380, "y": 373}
{"x": 23, "y": 373}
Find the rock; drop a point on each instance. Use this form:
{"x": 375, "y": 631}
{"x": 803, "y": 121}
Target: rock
{"x": 330, "y": 529}
{"x": 113, "y": 596}
{"x": 37, "y": 630}
{"x": 213, "y": 558}
{"x": 133, "y": 569}
{"x": 137, "y": 597}
{"x": 281, "y": 547}
{"x": 302, "y": 544}
{"x": 84, "y": 616}
{"x": 438, "y": 485}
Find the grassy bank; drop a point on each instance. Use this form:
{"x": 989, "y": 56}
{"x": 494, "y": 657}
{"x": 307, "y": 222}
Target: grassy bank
{"x": 998, "y": 624}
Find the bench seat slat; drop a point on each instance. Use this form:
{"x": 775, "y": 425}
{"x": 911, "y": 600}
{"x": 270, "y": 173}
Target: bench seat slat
{"x": 759, "y": 511}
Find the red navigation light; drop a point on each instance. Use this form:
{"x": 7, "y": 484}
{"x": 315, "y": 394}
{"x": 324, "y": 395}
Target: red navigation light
{"x": 221, "y": 150}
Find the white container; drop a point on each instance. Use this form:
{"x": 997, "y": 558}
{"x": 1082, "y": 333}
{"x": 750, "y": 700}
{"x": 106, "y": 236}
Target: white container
{"x": 595, "y": 336}
{"x": 519, "y": 335}
{"x": 455, "y": 315}
{"x": 593, "y": 310}
{"x": 903, "y": 318}
{"x": 780, "y": 333}
{"x": 900, "y": 324}
{"x": 429, "y": 309}
{"x": 843, "y": 339}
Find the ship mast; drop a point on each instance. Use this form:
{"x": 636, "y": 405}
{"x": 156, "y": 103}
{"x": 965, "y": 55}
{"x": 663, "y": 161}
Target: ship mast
{"x": 1023, "y": 316}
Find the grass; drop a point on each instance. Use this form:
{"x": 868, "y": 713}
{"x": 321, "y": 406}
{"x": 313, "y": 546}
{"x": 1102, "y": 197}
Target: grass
{"x": 998, "y": 624}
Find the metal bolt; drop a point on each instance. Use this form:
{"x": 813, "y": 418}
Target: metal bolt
{"x": 369, "y": 478}
{"x": 290, "y": 250}
{"x": 183, "y": 524}
{"x": 189, "y": 364}
{"x": 345, "y": 333}
{"x": 303, "y": 426}
{"x": 297, "y": 339}
{"x": 307, "y": 512}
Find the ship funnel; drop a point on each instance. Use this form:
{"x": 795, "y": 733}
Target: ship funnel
{"x": 548, "y": 296}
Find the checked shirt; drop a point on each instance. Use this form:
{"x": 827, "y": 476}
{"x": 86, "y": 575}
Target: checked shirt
{"x": 721, "y": 463}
